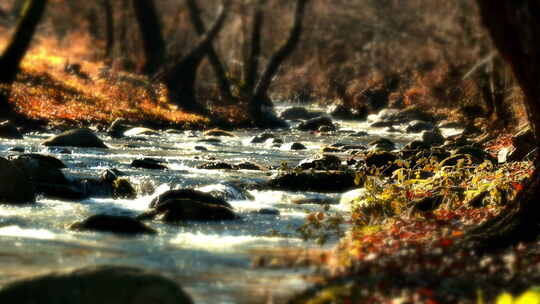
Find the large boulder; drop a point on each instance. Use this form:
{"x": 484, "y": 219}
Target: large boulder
{"x": 96, "y": 284}
{"x": 340, "y": 111}
{"x": 316, "y": 181}
{"x": 297, "y": 113}
{"x": 9, "y": 131}
{"x": 112, "y": 223}
{"x": 315, "y": 123}
{"x": 188, "y": 205}
{"x": 15, "y": 187}
{"x": 380, "y": 159}
{"x": 84, "y": 138}
{"x": 40, "y": 168}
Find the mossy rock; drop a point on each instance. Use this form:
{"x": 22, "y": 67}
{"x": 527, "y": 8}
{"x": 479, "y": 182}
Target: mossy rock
{"x": 317, "y": 181}
{"x": 188, "y": 205}
{"x": 15, "y": 187}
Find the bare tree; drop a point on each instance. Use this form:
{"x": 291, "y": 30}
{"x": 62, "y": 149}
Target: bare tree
{"x": 254, "y": 90}
{"x": 515, "y": 29}
{"x": 109, "y": 28}
{"x": 16, "y": 49}
{"x": 152, "y": 36}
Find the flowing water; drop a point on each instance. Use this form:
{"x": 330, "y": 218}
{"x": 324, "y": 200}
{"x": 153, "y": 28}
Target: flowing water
{"x": 212, "y": 261}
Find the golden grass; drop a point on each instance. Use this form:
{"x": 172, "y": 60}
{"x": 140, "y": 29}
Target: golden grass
{"x": 46, "y": 90}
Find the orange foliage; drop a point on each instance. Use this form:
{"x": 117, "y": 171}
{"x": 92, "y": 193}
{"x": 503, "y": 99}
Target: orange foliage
{"x": 48, "y": 89}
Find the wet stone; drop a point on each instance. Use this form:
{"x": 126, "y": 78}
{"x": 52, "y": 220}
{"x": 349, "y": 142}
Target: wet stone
{"x": 297, "y": 146}
{"x": 84, "y": 138}
{"x": 216, "y": 166}
{"x": 148, "y": 163}
{"x": 112, "y": 223}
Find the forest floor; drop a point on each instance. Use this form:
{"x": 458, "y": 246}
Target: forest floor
{"x": 404, "y": 228}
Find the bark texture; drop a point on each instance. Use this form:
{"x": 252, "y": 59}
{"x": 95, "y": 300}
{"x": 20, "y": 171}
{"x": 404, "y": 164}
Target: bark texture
{"x": 152, "y": 37}
{"x": 515, "y": 29}
{"x": 16, "y": 49}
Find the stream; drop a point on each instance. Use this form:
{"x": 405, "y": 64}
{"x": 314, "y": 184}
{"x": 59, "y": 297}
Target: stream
{"x": 212, "y": 261}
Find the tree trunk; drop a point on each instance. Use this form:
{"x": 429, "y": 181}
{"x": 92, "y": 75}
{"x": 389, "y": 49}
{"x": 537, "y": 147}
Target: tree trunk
{"x": 17, "y": 7}
{"x": 109, "y": 29}
{"x": 217, "y": 65}
{"x": 252, "y": 62}
{"x": 153, "y": 41}
{"x": 180, "y": 78}
{"x": 260, "y": 96}
{"x": 515, "y": 29}
{"x": 17, "y": 48}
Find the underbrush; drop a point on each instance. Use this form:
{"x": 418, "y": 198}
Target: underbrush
{"x": 399, "y": 245}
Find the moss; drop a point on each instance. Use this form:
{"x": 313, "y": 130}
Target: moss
{"x": 122, "y": 188}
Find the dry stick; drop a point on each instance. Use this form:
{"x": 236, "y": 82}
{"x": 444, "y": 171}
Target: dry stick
{"x": 217, "y": 65}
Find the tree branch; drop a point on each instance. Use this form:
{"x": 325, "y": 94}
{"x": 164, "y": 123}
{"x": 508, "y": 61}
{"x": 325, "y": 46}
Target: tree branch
{"x": 217, "y": 65}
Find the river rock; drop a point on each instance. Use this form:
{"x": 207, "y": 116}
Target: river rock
{"x": 297, "y": 113}
{"x": 41, "y": 168}
{"x": 432, "y": 138}
{"x": 84, "y": 138}
{"x": 139, "y": 131}
{"x": 326, "y": 129}
{"x": 218, "y": 133}
{"x": 380, "y": 159}
{"x": 249, "y": 166}
{"x": 382, "y": 144}
{"x": 216, "y": 166}
{"x": 148, "y": 163}
{"x": 112, "y": 223}
{"x": 340, "y": 111}
{"x": 416, "y": 126}
{"x": 200, "y": 148}
{"x": 261, "y": 138}
{"x": 315, "y": 123}
{"x": 226, "y": 191}
{"x": 359, "y": 134}
{"x": 330, "y": 150}
{"x": 9, "y": 131}
{"x": 118, "y": 127}
{"x": 317, "y": 181}
{"x": 210, "y": 140}
{"x": 415, "y": 145}
{"x": 188, "y": 205}
{"x": 321, "y": 162}
{"x": 95, "y": 284}
{"x": 297, "y": 146}
{"x": 15, "y": 187}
